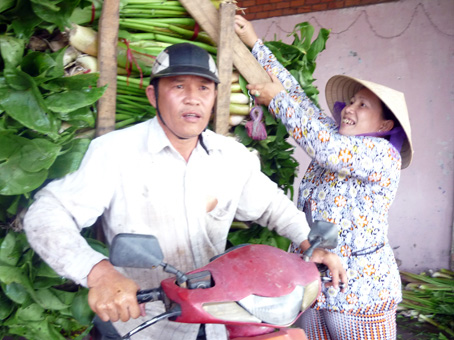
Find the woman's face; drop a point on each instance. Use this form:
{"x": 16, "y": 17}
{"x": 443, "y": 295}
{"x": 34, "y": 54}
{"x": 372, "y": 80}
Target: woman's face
{"x": 364, "y": 114}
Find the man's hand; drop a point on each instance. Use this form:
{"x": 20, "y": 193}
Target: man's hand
{"x": 111, "y": 295}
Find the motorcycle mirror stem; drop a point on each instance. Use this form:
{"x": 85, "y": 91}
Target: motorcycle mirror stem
{"x": 322, "y": 235}
{"x": 315, "y": 243}
{"x": 181, "y": 277}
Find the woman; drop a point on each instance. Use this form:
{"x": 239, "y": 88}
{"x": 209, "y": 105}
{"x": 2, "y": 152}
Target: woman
{"x": 352, "y": 181}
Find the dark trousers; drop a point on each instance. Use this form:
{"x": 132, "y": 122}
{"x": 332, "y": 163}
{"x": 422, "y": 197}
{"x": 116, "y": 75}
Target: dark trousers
{"x": 104, "y": 330}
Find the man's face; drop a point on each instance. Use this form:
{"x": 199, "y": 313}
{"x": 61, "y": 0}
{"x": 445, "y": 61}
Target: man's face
{"x": 185, "y": 103}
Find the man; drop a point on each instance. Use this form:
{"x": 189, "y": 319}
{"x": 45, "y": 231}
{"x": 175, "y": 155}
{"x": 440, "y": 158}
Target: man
{"x": 169, "y": 177}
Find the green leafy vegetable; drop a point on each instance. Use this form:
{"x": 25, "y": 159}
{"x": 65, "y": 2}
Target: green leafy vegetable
{"x": 35, "y": 302}
{"x": 299, "y": 57}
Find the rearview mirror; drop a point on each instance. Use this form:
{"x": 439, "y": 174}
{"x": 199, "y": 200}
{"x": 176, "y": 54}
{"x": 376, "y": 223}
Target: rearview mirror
{"x": 136, "y": 251}
{"x": 324, "y": 232}
{"x": 322, "y": 235}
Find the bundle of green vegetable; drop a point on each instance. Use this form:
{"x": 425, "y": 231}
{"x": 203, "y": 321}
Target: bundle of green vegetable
{"x": 41, "y": 114}
{"x": 429, "y": 297}
{"x": 45, "y": 116}
{"x": 36, "y": 303}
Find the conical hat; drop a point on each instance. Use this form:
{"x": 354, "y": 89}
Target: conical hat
{"x": 342, "y": 88}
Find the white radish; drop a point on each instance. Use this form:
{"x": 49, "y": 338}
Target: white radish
{"x": 89, "y": 63}
{"x": 84, "y": 39}
{"x": 235, "y": 120}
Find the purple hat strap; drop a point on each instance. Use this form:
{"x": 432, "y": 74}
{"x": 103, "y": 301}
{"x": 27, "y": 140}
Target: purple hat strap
{"x": 396, "y": 135}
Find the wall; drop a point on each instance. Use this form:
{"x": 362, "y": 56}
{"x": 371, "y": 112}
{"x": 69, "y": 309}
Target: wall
{"x": 407, "y": 45}
{"x": 262, "y": 9}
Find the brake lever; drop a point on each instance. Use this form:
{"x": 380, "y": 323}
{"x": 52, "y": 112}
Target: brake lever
{"x": 326, "y": 279}
{"x": 174, "y": 312}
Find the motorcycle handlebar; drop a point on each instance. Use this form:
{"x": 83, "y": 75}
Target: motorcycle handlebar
{"x": 147, "y": 295}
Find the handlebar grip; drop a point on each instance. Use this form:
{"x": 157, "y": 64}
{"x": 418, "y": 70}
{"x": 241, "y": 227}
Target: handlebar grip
{"x": 328, "y": 279}
{"x": 148, "y": 295}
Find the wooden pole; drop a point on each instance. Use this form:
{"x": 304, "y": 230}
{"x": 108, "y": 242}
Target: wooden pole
{"x": 107, "y": 60}
{"x": 207, "y": 16}
{"x": 225, "y": 65}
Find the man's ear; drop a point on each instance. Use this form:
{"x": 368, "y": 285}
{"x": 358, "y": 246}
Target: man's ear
{"x": 151, "y": 95}
{"x": 387, "y": 125}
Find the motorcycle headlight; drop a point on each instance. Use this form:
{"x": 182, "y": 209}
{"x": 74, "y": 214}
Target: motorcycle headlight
{"x": 229, "y": 311}
{"x": 280, "y": 311}
{"x": 310, "y": 294}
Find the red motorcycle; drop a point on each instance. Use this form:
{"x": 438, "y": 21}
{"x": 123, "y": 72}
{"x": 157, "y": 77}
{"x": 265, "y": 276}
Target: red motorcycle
{"x": 256, "y": 291}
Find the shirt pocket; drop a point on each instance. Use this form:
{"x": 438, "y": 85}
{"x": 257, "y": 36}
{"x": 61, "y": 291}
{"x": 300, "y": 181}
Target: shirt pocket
{"x": 221, "y": 211}
{"x": 217, "y": 224}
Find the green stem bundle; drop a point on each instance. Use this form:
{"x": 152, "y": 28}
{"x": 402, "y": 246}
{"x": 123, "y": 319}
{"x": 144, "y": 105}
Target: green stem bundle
{"x": 430, "y": 297}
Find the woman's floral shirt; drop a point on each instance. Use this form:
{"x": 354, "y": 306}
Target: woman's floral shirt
{"x": 351, "y": 181}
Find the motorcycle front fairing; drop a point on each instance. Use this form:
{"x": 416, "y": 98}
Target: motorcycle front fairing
{"x": 255, "y": 285}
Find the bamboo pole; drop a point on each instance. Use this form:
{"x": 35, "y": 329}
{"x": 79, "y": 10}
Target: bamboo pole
{"x": 107, "y": 60}
{"x": 225, "y": 65}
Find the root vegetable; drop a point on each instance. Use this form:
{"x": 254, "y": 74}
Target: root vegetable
{"x": 89, "y": 63}
{"x": 235, "y": 78}
{"x": 235, "y": 87}
{"x": 84, "y": 39}
{"x": 239, "y": 109}
{"x": 239, "y": 98}
{"x": 235, "y": 120}
{"x": 70, "y": 55}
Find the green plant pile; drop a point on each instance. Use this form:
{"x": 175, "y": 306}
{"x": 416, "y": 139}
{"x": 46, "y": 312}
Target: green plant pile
{"x": 36, "y": 303}
{"x": 43, "y": 113}
{"x": 429, "y": 297}
{"x": 43, "y": 117}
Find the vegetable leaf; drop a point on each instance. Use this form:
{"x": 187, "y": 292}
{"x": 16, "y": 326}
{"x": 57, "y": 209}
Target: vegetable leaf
{"x": 25, "y": 168}
{"x": 56, "y": 12}
{"x": 23, "y": 101}
{"x": 23, "y": 20}
{"x": 72, "y": 100}
{"x": 12, "y": 50}
{"x": 70, "y": 160}
{"x": 5, "y": 4}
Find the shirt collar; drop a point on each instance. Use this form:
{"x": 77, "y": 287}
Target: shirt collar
{"x": 157, "y": 139}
